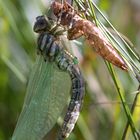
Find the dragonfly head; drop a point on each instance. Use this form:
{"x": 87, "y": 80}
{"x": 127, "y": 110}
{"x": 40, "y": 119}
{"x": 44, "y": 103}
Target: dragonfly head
{"x": 41, "y": 25}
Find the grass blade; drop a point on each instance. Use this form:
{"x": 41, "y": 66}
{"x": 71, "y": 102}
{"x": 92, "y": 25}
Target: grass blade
{"x": 125, "y": 106}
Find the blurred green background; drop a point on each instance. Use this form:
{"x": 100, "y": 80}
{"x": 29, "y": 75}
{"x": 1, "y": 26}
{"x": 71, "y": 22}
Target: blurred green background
{"x": 103, "y": 117}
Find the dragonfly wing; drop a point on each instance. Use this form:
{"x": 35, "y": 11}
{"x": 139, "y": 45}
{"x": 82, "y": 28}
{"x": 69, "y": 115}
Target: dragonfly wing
{"x": 47, "y": 94}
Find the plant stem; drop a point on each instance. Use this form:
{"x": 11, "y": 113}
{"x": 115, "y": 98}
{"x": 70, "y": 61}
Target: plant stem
{"x": 132, "y": 110}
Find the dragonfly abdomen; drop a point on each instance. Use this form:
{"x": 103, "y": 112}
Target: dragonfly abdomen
{"x": 74, "y": 106}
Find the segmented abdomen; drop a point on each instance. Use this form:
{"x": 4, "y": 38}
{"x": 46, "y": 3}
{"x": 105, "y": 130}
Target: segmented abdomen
{"x": 74, "y": 108}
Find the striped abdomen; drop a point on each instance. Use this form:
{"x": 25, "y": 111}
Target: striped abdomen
{"x": 74, "y": 108}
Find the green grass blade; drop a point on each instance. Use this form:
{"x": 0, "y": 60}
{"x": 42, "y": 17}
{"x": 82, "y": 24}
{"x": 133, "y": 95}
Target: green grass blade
{"x": 14, "y": 69}
{"x": 132, "y": 111}
{"x": 84, "y": 128}
{"x": 4, "y": 5}
{"x": 125, "y": 106}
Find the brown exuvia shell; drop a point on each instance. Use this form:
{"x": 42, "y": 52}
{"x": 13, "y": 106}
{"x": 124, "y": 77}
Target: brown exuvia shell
{"x": 94, "y": 37}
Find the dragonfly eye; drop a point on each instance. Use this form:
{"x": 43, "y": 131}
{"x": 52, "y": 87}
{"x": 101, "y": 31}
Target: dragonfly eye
{"x": 40, "y": 24}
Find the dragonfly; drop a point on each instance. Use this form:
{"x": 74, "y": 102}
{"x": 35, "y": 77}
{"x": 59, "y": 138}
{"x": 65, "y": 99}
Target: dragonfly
{"x": 77, "y": 26}
{"x": 45, "y": 92}
{"x": 50, "y": 50}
